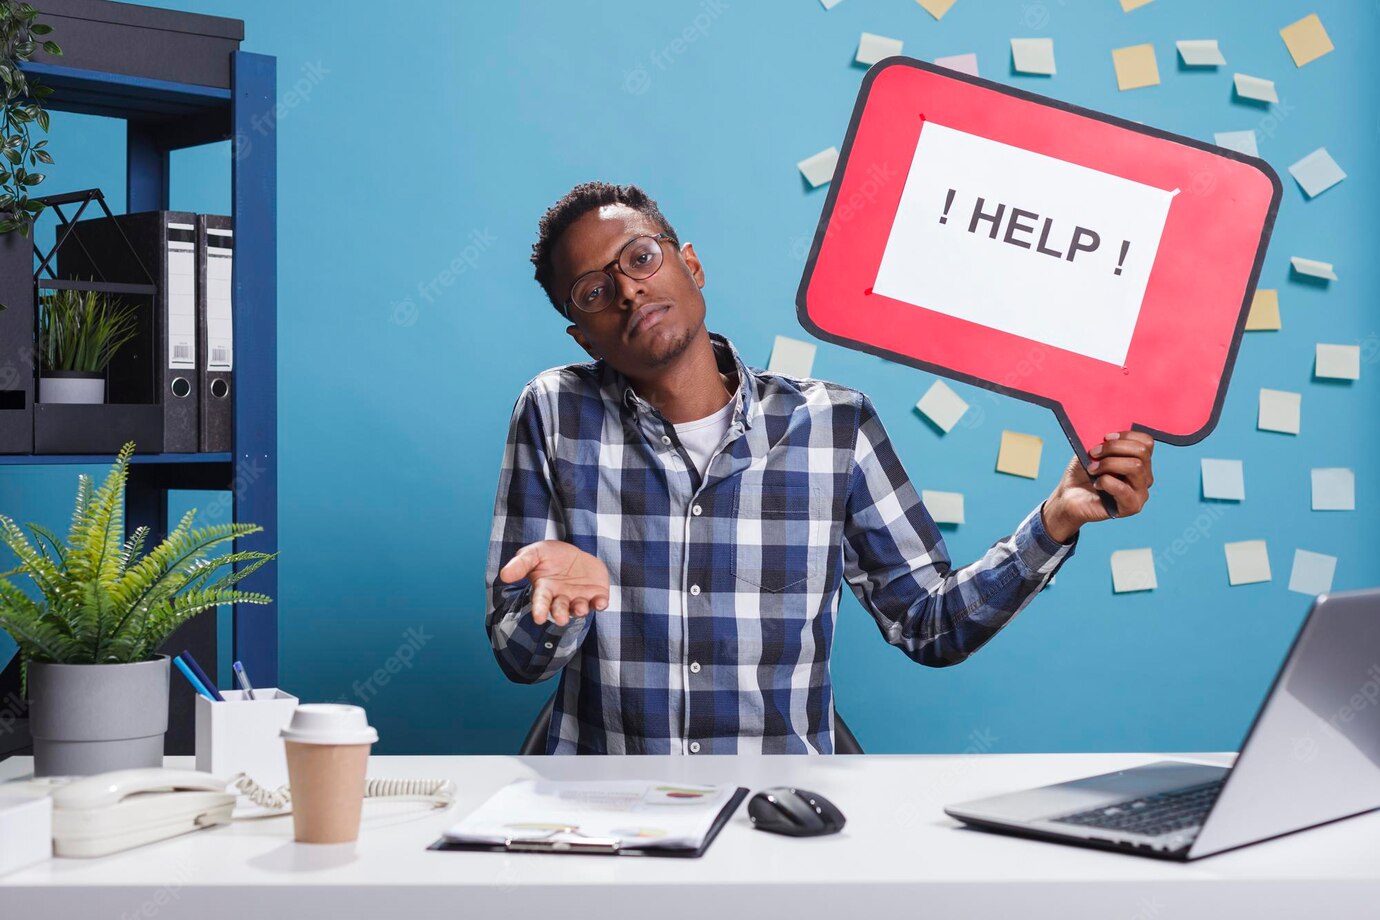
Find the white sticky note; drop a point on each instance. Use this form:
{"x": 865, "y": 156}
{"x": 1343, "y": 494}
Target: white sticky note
{"x": 1133, "y": 570}
{"x": 1317, "y": 172}
{"x": 792, "y": 357}
{"x": 1312, "y": 572}
{"x": 1313, "y": 268}
{"x": 953, "y": 256}
{"x": 1338, "y": 362}
{"x": 963, "y": 63}
{"x": 1200, "y": 52}
{"x": 1224, "y": 480}
{"x": 1033, "y": 55}
{"x": 944, "y": 507}
{"x": 829, "y": 4}
{"x": 872, "y": 48}
{"x": 1279, "y": 411}
{"x": 1334, "y": 489}
{"x": 936, "y": 8}
{"x": 942, "y": 405}
{"x": 1240, "y": 141}
{"x": 819, "y": 169}
{"x": 1248, "y": 562}
{"x": 1255, "y": 88}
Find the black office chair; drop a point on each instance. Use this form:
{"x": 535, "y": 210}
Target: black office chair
{"x": 535, "y": 743}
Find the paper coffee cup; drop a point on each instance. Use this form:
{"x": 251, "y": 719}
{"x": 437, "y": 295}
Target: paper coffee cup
{"x": 327, "y": 757}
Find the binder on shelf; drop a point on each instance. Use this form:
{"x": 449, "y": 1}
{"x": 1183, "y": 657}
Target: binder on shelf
{"x": 159, "y": 365}
{"x": 215, "y": 254}
{"x": 16, "y": 344}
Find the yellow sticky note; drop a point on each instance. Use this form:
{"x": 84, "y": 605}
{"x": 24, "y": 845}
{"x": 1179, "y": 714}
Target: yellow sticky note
{"x": 1264, "y": 313}
{"x": 1135, "y": 67}
{"x": 936, "y": 8}
{"x": 1128, "y": 5}
{"x": 1020, "y": 454}
{"x": 1306, "y": 39}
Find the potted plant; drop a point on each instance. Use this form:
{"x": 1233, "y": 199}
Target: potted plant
{"x": 79, "y": 333}
{"x": 97, "y": 687}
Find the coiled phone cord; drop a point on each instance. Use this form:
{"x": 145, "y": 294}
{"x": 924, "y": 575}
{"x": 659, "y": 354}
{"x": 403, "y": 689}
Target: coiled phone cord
{"x": 439, "y": 792}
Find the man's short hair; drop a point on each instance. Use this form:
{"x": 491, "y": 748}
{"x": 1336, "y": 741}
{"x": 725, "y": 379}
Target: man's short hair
{"x": 573, "y": 205}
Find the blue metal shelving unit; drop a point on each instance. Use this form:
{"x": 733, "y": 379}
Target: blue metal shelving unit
{"x": 164, "y": 116}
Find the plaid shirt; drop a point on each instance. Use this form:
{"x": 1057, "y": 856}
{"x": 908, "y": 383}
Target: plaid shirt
{"x": 724, "y": 592}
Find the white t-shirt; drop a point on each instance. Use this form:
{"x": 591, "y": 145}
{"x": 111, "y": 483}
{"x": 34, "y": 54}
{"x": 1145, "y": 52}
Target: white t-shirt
{"x": 702, "y": 436}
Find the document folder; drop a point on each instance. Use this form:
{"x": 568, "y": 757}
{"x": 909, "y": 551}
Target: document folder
{"x": 215, "y": 253}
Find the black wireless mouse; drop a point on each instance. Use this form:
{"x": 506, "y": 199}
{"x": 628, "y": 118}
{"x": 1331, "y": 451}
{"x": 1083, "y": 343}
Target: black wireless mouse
{"x": 795, "y": 812}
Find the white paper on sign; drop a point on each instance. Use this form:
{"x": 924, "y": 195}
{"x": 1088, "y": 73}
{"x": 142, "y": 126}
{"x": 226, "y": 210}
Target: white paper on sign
{"x": 1028, "y": 244}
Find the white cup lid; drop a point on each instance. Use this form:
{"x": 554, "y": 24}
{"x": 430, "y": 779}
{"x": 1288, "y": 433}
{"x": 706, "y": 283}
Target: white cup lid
{"x": 329, "y": 723}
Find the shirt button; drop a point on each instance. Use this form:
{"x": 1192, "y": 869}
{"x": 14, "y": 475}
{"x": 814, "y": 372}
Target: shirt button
{"x": 549, "y": 645}
{"x": 695, "y": 590}
{"x": 694, "y": 747}
{"x": 695, "y": 510}
{"x": 665, "y": 439}
{"x": 694, "y": 667}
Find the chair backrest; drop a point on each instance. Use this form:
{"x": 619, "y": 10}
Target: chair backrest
{"x": 535, "y": 742}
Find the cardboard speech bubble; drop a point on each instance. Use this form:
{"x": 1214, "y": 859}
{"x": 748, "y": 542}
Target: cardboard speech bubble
{"x": 1048, "y": 252}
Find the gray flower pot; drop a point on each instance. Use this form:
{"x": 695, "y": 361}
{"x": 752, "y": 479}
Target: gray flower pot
{"x": 93, "y": 718}
{"x": 71, "y": 388}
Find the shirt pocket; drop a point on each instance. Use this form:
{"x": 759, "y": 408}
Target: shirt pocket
{"x": 780, "y": 533}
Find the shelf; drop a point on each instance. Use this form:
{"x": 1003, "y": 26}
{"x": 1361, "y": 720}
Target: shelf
{"x": 115, "y": 95}
{"x": 108, "y": 459}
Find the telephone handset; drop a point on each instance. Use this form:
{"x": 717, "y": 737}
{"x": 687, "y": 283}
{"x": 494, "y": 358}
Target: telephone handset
{"x": 111, "y": 812}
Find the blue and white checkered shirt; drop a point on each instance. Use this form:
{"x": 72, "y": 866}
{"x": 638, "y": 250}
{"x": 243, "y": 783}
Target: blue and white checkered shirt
{"x": 724, "y": 592}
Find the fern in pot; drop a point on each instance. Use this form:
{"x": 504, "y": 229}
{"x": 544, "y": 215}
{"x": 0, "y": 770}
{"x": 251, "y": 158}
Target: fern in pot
{"x": 98, "y": 688}
{"x": 79, "y": 332}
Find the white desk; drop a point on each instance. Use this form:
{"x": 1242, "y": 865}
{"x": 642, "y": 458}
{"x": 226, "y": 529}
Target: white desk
{"x": 899, "y": 855}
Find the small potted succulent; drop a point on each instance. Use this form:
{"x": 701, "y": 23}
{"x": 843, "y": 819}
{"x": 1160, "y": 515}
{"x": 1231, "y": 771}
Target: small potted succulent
{"x": 97, "y": 686}
{"x": 79, "y": 332}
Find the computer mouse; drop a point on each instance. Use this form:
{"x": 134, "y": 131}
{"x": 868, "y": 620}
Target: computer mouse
{"x": 794, "y": 812}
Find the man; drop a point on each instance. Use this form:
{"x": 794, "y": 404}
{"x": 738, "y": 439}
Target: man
{"x": 672, "y": 528}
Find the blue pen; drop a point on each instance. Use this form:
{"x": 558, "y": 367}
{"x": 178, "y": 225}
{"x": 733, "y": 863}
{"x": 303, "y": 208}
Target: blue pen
{"x": 202, "y": 676}
{"x": 191, "y": 678}
{"x": 243, "y": 679}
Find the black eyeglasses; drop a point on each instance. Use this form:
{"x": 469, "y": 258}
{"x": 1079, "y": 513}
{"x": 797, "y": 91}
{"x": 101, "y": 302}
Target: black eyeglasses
{"x": 639, "y": 259}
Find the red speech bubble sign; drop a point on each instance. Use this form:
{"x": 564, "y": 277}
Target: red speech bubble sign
{"x": 1066, "y": 257}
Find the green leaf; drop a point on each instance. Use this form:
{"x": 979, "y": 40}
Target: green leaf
{"x": 50, "y": 46}
{"x": 41, "y": 28}
{"x": 42, "y": 118}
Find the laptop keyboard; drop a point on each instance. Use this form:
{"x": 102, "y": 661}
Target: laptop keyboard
{"x": 1152, "y": 815}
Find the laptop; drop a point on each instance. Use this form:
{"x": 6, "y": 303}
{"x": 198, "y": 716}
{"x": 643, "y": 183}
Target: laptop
{"x": 1312, "y": 756}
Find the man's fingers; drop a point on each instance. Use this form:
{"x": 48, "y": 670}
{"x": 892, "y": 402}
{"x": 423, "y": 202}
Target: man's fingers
{"x": 518, "y": 567}
{"x": 601, "y": 602}
{"x": 1127, "y": 499}
{"x": 580, "y": 607}
{"x": 560, "y": 610}
{"x": 1133, "y": 468}
{"x": 541, "y": 605}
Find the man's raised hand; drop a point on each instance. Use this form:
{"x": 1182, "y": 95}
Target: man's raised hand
{"x": 566, "y": 580}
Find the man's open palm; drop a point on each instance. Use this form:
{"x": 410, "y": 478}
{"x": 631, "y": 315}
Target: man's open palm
{"x": 566, "y": 580}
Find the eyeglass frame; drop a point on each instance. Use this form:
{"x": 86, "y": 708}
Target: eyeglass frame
{"x": 570, "y": 298}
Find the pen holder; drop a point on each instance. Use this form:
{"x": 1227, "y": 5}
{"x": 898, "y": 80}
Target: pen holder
{"x": 240, "y": 735}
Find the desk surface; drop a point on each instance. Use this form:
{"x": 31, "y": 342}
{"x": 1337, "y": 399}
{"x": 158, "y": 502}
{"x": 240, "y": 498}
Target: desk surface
{"x": 899, "y": 851}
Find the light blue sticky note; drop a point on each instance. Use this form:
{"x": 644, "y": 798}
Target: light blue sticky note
{"x": 1334, "y": 489}
{"x": 1312, "y": 573}
{"x": 1240, "y": 141}
{"x": 1317, "y": 172}
{"x": 1224, "y": 479}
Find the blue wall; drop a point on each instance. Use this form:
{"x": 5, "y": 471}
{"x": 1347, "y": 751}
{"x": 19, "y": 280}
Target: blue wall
{"x": 439, "y": 135}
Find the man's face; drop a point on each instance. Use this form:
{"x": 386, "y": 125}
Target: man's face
{"x": 661, "y": 335}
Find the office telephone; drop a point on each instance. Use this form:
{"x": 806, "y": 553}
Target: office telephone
{"x": 111, "y": 812}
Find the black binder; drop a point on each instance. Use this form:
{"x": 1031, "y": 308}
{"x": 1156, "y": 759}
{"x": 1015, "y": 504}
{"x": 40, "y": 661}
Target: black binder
{"x": 597, "y": 847}
{"x": 215, "y": 253}
{"x": 159, "y": 365}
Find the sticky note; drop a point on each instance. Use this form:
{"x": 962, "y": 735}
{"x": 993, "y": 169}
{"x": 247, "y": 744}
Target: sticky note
{"x": 1135, "y": 67}
{"x": 1279, "y": 411}
{"x": 1200, "y": 52}
{"x": 1223, "y": 479}
{"x": 944, "y": 507}
{"x": 1240, "y": 141}
{"x": 1033, "y": 55}
{"x": 963, "y": 63}
{"x": 1020, "y": 454}
{"x": 872, "y": 48}
{"x": 1128, "y": 5}
{"x": 1334, "y": 489}
{"x": 936, "y": 8}
{"x": 1264, "y": 313}
{"x": 819, "y": 169}
{"x": 1133, "y": 570}
{"x": 792, "y": 357}
{"x": 1248, "y": 562}
{"x": 942, "y": 405}
{"x": 1255, "y": 88}
{"x": 1312, "y": 572}
{"x": 829, "y": 4}
{"x": 1317, "y": 172}
{"x": 1306, "y": 39}
{"x": 1338, "y": 362}
{"x": 1313, "y": 268}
